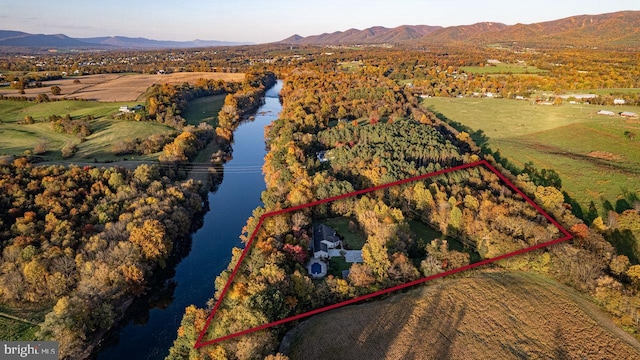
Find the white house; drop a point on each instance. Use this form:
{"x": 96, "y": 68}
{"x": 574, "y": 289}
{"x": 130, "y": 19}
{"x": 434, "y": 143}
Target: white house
{"x": 618, "y": 101}
{"x": 324, "y": 238}
{"x": 325, "y": 245}
{"x": 606, "y": 112}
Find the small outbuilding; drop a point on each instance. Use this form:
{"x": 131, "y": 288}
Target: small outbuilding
{"x": 606, "y": 112}
{"x": 618, "y": 101}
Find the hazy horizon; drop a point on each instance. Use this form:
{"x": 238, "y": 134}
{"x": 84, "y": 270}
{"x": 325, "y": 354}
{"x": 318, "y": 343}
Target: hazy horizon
{"x": 263, "y": 22}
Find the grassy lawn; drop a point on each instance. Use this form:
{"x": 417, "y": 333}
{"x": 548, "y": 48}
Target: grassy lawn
{"x": 594, "y": 158}
{"x": 351, "y": 66}
{"x": 611, "y": 91}
{"x": 337, "y": 265}
{"x": 423, "y": 233}
{"x": 352, "y": 239}
{"x": 502, "y": 68}
{"x": 13, "y": 330}
{"x": 13, "y": 111}
{"x": 204, "y": 109}
{"x": 98, "y": 145}
{"x": 15, "y": 138}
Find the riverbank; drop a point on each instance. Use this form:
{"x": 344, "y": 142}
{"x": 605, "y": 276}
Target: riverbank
{"x": 150, "y": 335}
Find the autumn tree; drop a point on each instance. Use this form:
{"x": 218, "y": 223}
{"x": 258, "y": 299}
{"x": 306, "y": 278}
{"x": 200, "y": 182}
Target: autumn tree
{"x": 151, "y": 239}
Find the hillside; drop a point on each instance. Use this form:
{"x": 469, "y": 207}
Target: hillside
{"x": 21, "y": 39}
{"x": 143, "y": 43}
{"x": 619, "y": 29}
{"x": 373, "y": 35}
{"x": 18, "y": 39}
{"x": 499, "y": 315}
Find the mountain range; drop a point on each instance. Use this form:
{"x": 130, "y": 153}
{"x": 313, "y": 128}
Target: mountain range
{"x": 612, "y": 29}
{"x": 9, "y": 38}
{"x": 620, "y": 29}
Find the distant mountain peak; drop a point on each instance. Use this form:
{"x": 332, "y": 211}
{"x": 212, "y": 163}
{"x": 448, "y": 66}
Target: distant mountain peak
{"x": 614, "y": 29}
{"x": 9, "y": 38}
{"x": 375, "y": 34}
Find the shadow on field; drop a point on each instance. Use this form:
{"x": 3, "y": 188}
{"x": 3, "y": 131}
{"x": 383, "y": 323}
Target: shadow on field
{"x": 394, "y": 331}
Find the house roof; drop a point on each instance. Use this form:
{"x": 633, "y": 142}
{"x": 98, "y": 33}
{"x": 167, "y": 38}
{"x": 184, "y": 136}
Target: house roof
{"x": 323, "y": 232}
{"x": 606, "y": 112}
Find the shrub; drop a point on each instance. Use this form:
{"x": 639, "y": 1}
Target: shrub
{"x": 42, "y": 98}
{"x": 40, "y": 147}
{"x": 68, "y": 150}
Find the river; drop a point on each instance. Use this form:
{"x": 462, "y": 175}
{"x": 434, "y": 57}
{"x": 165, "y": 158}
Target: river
{"x": 230, "y": 206}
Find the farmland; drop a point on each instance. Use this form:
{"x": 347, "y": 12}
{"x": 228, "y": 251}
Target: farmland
{"x": 107, "y": 93}
{"x": 15, "y": 138}
{"x": 14, "y": 330}
{"x": 505, "y": 314}
{"x": 594, "y": 158}
{"x": 116, "y": 87}
{"x": 502, "y": 68}
{"x": 204, "y": 109}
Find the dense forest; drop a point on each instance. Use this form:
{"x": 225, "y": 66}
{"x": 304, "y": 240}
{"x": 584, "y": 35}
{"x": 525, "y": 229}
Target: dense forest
{"x": 86, "y": 240}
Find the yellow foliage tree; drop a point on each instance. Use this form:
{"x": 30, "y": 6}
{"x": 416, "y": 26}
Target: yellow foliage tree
{"x": 152, "y": 241}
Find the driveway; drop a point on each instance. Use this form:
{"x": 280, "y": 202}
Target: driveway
{"x": 350, "y": 256}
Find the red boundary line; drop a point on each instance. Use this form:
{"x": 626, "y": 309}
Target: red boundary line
{"x": 567, "y": 236}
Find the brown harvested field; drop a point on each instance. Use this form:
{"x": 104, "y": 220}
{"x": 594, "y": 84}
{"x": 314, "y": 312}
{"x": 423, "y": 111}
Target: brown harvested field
{"x": 117, "y": 87}
{"x": 489, "y": 315}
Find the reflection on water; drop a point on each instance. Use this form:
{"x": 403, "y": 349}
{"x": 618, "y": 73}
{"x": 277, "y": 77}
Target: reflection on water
{"x": 153, "y": 323}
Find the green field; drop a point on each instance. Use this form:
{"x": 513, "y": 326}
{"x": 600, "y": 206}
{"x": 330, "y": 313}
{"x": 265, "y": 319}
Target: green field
{"x": 337, "y": 265}
{"x": 502, "y": 68}
{"x": 353, "y": 239}
{"x": 19, "y": 324}
{"x": 594, "y": 158}
{"x": 13, "y": 330}
{"x": 16, "y": 138}
{"x": 204, "y": 109}
{"x": 612, "y": 91}
{"x": 351, "y": 66}
{"x": 423, "y": 233}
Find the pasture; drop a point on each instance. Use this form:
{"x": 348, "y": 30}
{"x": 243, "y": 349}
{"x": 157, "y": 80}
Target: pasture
{"x": 117, "y": 87}
{"x": 15, "y": 138}
{"x": 204, "y": 109}
{"x": 502, "y": 68}
{"x": 14, "y": 330}
{"x": 594, "y": 158}
{"x": 20, "y": 324}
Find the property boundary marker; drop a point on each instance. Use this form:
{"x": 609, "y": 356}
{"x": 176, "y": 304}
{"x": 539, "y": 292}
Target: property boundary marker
{"x": 567, "y": 236}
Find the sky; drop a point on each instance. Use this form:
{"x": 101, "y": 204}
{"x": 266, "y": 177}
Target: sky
{"x": 262, "y": 21}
